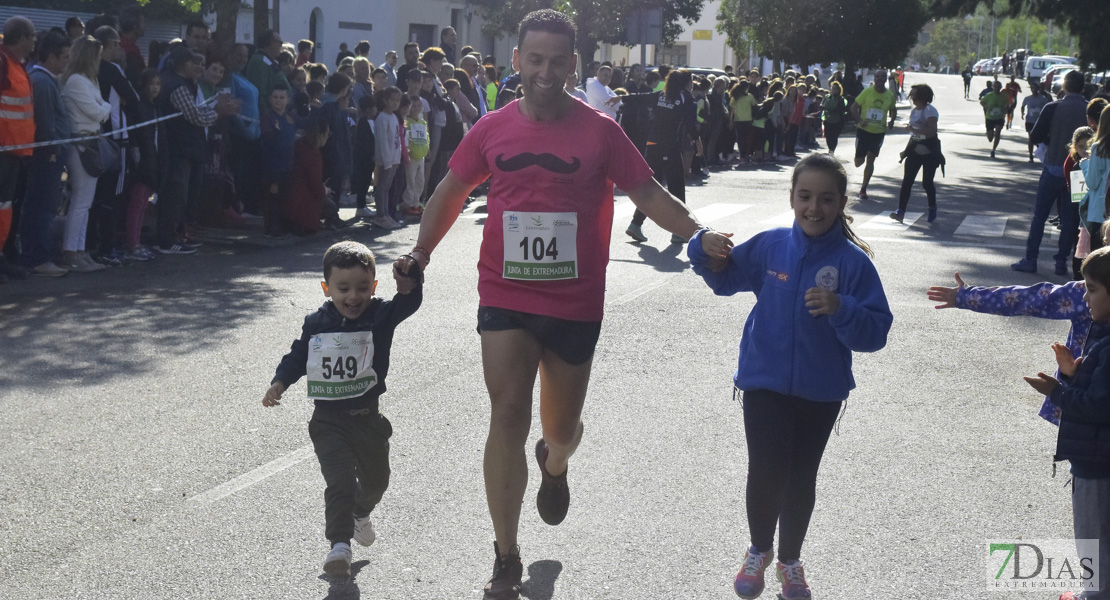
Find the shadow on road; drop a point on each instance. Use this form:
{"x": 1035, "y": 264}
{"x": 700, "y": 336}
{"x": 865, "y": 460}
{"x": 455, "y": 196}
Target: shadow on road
{"x": 345, "y": 588}
{"x": 541, "y": 579}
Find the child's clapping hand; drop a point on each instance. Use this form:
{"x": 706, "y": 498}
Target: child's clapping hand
{"x": 822, "y": 302}
{"x": 1068, "y": 364}
{"x": 946, "y": 295}
{"x": 1043, "y": 383}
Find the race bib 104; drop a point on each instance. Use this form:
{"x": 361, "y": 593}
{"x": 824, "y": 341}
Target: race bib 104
{"x": 540, "y": 246}
{"x": 340, "y": 365}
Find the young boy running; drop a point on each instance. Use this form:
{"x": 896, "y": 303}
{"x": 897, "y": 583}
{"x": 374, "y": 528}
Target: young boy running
{"x": 344, "y": 350}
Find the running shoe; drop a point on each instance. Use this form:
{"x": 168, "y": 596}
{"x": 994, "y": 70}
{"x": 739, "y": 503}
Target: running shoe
{"x": 364, "y": 531}
{"x": 862, "y": 195}
{"x": 338, "y": 562}
{"x": 992, "y": 153}
{"x": 139, "y": 254}
{"x": 677, "y": 239}
{"x": 749, "y": 581}
{"x": 383, "y": 221}
{"x": 1025, "y": 266}
{"x": 932, "y": 214}
{"x": 507, "y": 573}
{"x": 1061, "y": 268}
{"x": 49, "y": 269}
{"x": 634, "y": 231}
{"x": 90, "y": 265}
{"x": 793, "y": 579}
{"x": 176, "y": 249}
{"x": 364, "y": 213}
{"x": 897, "y": 216}
{"x": 553, "y": 499}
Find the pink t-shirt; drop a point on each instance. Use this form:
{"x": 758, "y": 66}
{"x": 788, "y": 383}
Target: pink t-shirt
{"x": 588, "y": 152}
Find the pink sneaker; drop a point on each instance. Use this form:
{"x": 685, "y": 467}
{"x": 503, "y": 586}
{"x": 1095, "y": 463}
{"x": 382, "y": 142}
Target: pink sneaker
{"x": 793, "y": 580}
{"x": 749, "y": 581}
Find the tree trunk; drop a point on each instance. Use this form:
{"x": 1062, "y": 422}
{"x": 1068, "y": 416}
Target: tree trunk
{"x": 261, "y": 16}
{"x": 227, "y": 21}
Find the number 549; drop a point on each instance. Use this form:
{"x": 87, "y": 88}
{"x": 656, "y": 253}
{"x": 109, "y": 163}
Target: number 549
{"x": 342, "y": 368}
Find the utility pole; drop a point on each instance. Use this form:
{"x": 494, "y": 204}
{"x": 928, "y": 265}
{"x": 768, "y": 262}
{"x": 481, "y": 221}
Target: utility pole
{"x": 1048, "y": 38}
{"x": 992, "y": 36}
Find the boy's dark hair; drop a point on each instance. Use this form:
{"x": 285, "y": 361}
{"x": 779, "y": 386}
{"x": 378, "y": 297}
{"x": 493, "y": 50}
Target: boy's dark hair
{"x": 345, "y": 255}
{"x": 73, "y": 22}
{"x": 52, "y": 43}
{"x": 337, "y": 83}
{"x": 362, "y": 48}
{"x": 548, "y": 20}
{"x": 366, "y": 102}
{"x": 280, "y": 86}
{"x": 1097, "y": 266}
{"x": 377, "y": 71}
{"x": 197, "y": 25}
{"x": 413, "y": 75}
{"x": 314, "y": 88}
{"x": 265, "y": 38}
{"x": 304, "y": 45}
{"x": 316, "y": 71}
{"x": 406, "y": 101}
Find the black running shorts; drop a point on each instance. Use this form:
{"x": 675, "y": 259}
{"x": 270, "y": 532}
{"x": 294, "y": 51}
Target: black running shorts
{"x": 572, "y": 341}
{"x": 868, "y": 143}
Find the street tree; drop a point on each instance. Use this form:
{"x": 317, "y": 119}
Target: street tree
{"x": 598, "y": 21}
{"x": 855, "y": 32}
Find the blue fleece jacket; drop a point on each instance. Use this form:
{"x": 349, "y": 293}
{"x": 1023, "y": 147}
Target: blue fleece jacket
{"x": 783, "y": 348}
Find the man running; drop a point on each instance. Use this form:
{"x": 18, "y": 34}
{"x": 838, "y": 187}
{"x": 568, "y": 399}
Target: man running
{"x": 995, "y": 104}
{"x": 541, "y": 269}
{"x": 1011, "y": 91}
{"x": 870, "y": 109}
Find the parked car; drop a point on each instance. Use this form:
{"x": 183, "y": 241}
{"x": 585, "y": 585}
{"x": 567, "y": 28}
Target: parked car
{"x": 1053, "y": 76}
{"x": 1036, "y": 65}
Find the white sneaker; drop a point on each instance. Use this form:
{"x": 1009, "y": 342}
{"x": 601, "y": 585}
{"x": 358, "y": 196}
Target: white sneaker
{"x": 364, "y": 531}
{"x": 394, "y": 223}
{"x": 49, "y": 269}
{"x": 383, "y": 221}
{"x": 338, "y": 562}
{"x": 364, "y": 213}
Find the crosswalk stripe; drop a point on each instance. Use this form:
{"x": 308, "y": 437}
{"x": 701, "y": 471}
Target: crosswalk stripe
{"x": 719, "y": 210}
{"x": 983, "y": 225}
{"x": 882, "y": 221}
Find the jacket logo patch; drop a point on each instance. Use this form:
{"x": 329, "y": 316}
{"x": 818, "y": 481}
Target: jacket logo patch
{"x": 828, "y": 278}
{"x": 777, "y": 275}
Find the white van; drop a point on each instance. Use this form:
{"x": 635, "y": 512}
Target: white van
{"x": 1035, "y": 65}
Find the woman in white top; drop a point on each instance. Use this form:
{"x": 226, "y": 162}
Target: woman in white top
{"x": 87, "y": 109}
{"x": 923, "y": 151}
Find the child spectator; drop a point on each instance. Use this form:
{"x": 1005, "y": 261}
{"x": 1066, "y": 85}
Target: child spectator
{"x": 307, "y": 195}
{"x": 315, "y": 91}
{"x": 387, "y": 153}
{"x": 337, "y": 152}
{"x": 416, "y": 138}
{"x": 793, "y": 386}
{"x": 145, "y": 152}
{"x": 279, "y": 130}
{"x": 346, "y": 371}
{"x": 362, "y": 174}
{"x": 1083, "y": 396}
{"x": 400, "y": 183}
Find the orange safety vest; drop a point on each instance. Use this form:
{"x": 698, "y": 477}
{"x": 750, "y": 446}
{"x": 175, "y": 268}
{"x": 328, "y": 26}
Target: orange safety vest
{"x": 17, "y": 112}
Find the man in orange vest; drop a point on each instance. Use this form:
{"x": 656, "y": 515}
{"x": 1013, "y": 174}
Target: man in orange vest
{"x": 17, "y": 125}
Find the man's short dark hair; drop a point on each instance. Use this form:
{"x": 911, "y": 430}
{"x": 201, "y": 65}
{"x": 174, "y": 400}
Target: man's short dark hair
{"x": 1097, "y": 266}
{"x": 377, "y": 71}
{"x": 362, "y": 48}
{"x": 74, "y": 22}
{"x": 1073, "y": 82}
{"x": 551, "y": 21}
{"x": 412, "y": 45}
{"x": 129, "y": 19}
{"x": 338, "y": 82}
{"x": 304, "y": 45}
{"x": 52, "y": 43}
{"x": 195, "y": 25}
{"x": 266, "y": 38}
{"x": 345, "y": 255}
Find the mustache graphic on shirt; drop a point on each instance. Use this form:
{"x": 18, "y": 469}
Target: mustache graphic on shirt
{"x": 544, "y": 161}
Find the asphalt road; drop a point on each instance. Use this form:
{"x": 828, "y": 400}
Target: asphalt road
{"x": 140, "y": 463}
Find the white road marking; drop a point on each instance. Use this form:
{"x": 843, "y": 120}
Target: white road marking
{"x": 882, "y": 221}
{"x": 640, "y": 291}
{"x": 252, "y": 477}
{"x": 719, "y": 210}
{"x": 983, "y": 225}
{"x": 785, "y": 219}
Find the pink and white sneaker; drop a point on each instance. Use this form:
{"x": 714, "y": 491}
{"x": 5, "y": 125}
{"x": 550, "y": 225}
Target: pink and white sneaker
{"x": 749, "y": 581}
{"x": 793, "y": 579}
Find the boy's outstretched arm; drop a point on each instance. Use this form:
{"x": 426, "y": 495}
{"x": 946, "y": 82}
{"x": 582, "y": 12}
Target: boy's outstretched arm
{"x": 273, "y": 394}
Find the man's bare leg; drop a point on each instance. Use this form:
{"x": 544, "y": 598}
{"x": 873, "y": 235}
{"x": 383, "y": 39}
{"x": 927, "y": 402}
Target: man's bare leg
{"x": 510, "y": 360}
{"x": 562, "y": 395}
{"x": 867, "y": 172}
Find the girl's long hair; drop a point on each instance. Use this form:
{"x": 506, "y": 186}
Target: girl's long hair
{"x": 84, "y": 59}
{"x": 677, "y": 80}
{"x": 1102, "y": 134}
{"x": 829, "y": 164}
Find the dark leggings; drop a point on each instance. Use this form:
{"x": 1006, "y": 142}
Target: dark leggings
{"x": 832, "y": 134}
{"x": 667, "y": 166}
{"x": 914, "y": 163}
{"x": 786, "y": 437}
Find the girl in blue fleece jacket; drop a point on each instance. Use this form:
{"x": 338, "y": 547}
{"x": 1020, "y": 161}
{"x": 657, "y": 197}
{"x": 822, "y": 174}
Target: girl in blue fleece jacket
{"x": 818, "y": 299}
